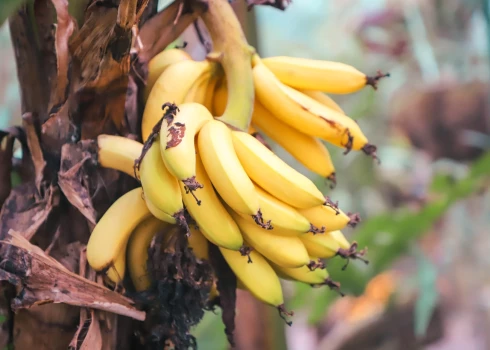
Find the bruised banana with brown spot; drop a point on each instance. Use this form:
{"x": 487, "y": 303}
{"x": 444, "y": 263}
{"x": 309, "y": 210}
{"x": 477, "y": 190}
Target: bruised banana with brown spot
{"x": 177, "y": 146}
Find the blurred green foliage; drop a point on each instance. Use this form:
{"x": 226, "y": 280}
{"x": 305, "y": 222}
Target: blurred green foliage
{"x": 392, "y": 234}
{"x": 8, "y": 7}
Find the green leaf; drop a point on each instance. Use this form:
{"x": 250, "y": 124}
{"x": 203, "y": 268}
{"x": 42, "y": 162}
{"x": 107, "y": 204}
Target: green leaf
{"x": 3, "y": 318}
{"x": 428, "y": 296}
{"x": 7, "y": 7}
{"x": 210, "y": 332}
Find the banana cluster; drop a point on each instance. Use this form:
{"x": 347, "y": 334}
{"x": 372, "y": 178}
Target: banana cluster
{"x": 203, "y": 173}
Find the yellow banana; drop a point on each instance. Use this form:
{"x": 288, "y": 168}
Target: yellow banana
{"x": 220, "y": 98}
{"x": 117, "y": 152}
{"x": 339, "y": 237}
{"x": 137, "y": 252}
{"x": 302, "y": 274}
{"x": 167, "y": 90}
{"x": 282, "y": 250}
{"x": 203, "y": 88}
{"x": 323, "y": 98}
{"x": 287, "y": 220}
{"x": 159, "y": 186}
{"x": 116, "y": 272}
{"x": 308, "y": 150}
{"x": 327, "y": 76}
{"x": 159, "y": 63}
{"x": 326, "y": 216}
{"x": 225, "y": 171}
{"x": 306, "y": 114}
{"x": 198, "y": 243}
{"x": 155, "y": 211}
{"x": 213, "y": 220}
{"x": 177, "y": 142}
{"x": 273, "y": 174}
{"x": 112, "y": 232}
{"x": 321, "y": 245}
{"x": 258, "y": 276}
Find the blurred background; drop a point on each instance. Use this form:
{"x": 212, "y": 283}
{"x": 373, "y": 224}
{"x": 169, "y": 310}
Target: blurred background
{"x": 425, "y": 208}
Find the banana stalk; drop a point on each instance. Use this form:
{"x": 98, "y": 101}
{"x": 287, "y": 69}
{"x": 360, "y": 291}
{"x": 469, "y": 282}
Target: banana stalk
{"x": 231, "y": 49}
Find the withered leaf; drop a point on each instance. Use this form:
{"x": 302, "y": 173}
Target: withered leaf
{"x": 26, "y": 211}
{"x": 44, "y": 280}
{"x": 74, "y": 181}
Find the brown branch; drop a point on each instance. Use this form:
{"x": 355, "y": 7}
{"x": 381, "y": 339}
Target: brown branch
{"x": 28, "y": 121}
{"x": 44, "y": 280}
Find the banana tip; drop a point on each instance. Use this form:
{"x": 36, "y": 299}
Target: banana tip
{"x": 373, "y": 81}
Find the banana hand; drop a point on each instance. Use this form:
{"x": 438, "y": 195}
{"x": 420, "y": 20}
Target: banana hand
{"x": 212, "y": 218}
{"x": 273, "y": 174}
{"x": 225, "y": 170}
{"x": 306, "y": 149}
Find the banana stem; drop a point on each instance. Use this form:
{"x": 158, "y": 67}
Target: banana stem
{"x": 231, "y": 49}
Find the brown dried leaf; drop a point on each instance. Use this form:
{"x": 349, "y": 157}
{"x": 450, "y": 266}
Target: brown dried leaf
{"x": 26, "y": 211}
{"x": 44, "y": 280}
{"x": 159, "y": 31}
{"x": 37, "y": 157}
{"x": 74, "y": 181}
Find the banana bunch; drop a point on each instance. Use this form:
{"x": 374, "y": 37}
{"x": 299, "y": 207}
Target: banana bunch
{"x": 203, "y": 158}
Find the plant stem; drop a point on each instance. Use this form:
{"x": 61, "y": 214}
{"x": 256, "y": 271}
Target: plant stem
{"x": 231, "y": 49}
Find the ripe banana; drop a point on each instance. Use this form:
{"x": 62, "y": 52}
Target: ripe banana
{"x": 282, "y": 250}
{"x": 112, "y": 232}
{"x": 156, "y": 212}
{"x": 225, "y": 170}
{"x": 287, "y": 220}
{"x": 159, "y": 186}
{"x": 220, "y": 98}
{"x": 331, "y": 219}
{"x": 308, "y": 150}
{"x": 198, "y": 243}
{"x": 273, "y": 174}
{"x": 323, "y": 98}
{"x": 167, "y": 90}
{"x": 327, "y": 76}
{"x": 177, "y": 144}
{"x": 323, "y": 246}
{"x": 258, "y": 277}
{"x": 213, "y": 220}
{"x": 339, "y": 237}
{"x": 159, "y": 63}
{"x": 203, "y": 88}
{"x": 302, "y": 274}
{"x": 116, "y": 272}
{"x": 137, "y": 252}
{"x": 117, "y": 152}
{"x": 306, "y": 114}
